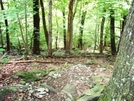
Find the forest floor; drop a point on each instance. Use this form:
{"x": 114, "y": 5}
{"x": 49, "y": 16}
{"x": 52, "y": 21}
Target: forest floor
{"x": 67, "y": 79}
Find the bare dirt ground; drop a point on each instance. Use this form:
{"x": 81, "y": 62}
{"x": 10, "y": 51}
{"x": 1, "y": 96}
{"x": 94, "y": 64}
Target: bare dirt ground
{"x": 71, "y": 74}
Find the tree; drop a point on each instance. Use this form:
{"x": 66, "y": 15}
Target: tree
{"x": 101, "y": 32}
{"x": 121, "y": 85}
{"x": 44, "y": 21}
{"x": 64, "y": 27}
{"x": 50, "y": 28}
{"x": 1, "y": 37}
{"x": 70, "y": 26}
{"x": 112, "y": 32}
{"x": 36, "y": 27}
{"x": 80, "y": 41}
{"x": 7, "y": 31}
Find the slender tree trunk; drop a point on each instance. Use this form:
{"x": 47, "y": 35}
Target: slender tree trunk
{"x": 80, "y": 41}
{"x": 70, "y": 27}
{"x": 56, "y": 38}
{"x": 7, "y": 32}
{"x": 112, "y": 32}
{"x": 75, "y": 9}
{"x": 121, "y": 85}
{"x": 44, "y": 22}
{"x": 36, "y": 30}
{"x": 122, "y": 28}
{"x": 64, "y": 28}
{"x": 1, "y": 37}
{"x": 26, "y": 30}
{"x": 56, "y": 42}
{"x": 25, "y": 40}
{"x": 95, "y": 36}
{"x": 101, "y": 33}
{"x": 50, "y": 28}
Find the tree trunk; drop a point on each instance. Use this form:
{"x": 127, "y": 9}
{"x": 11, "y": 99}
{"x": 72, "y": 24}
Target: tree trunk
{"x": 101, "y": 33}
{"x": 50, "y": 28}
{"x": 80, "y": 41}
{"x": 44, "y": 21}
{"x": 112, "y": 32}
{"x": 26, "y": 29}
{"x": 95, "y": 35}
{"x": 36, "y": 23}
{"x": 64, "y": 27}
{"x": 70, "y": 27}
{"x": 121, "y": 85}
{"x": 7, "y": 33}
{"x": 1, "y": 37}
{"x": 122, "y": 28}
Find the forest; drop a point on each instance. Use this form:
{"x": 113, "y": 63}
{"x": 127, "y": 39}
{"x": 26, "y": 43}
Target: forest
{"x": 66, "y": 50}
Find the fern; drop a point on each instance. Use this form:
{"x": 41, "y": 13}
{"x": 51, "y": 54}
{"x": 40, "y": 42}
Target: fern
{"x": 28, "y": 76}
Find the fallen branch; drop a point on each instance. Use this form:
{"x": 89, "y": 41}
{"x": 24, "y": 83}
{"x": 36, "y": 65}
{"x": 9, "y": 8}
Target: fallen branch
{"x": 3, "y": 55}
{"x": 32, "y": 61}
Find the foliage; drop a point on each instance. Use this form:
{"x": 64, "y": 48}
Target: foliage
{"x": 28, "y": 77}
{"x": 58, "y": 53}
{"x": 37, "y": 71}
{"x": 1, "y": 51}
{"x": 92, "y": 21}
{"x": 4, "y": 60}
{"x": 32, "y": 75}
{"x": 7, "y": 90}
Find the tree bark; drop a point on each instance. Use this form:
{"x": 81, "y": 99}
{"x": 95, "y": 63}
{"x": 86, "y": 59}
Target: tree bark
{"x": 7, "y": 33}
{"x": 50, "y": 28}
{"x": 1, "y": 37}
{"x": 36, "y": 23}
{"x": 80, "y": 41}
{"x": 101, "y": 33}
{"x": 121, "y": 85}
{"x": 64, "y": 28}
{"x": 44, "y": 21}
{"x": 122, "y": 28}
{"x": 70, "y": 27}
{"x": 112, "y": 32}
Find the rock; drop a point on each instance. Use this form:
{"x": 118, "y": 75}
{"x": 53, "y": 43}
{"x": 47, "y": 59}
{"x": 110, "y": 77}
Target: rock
{"x": 40, "y": 92}
{"x": 48, "y": 87}
{"x": 22, "y": 82}
{"x": 70, "y": 88}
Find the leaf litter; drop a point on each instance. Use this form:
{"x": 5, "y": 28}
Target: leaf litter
{"x": 70, "y": 79}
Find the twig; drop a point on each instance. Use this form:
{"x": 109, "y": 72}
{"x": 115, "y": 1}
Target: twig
{"x": 3, "y": 55}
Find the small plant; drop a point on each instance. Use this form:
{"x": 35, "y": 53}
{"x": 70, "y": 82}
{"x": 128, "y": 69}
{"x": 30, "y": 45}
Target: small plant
{"x": 37, "y": 71}
{"x": 32, "y": 75}
{"x": 7, "y": 90}
{"x": 4, "y": 60}
{"x": 1, "y": 66}
{"x": 28, "y": 76}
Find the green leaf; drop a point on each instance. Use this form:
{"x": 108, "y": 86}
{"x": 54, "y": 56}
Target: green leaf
{"x": 4, "y": 60}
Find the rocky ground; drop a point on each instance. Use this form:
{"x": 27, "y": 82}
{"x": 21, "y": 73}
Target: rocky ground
{"x": 70, "y": 79}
